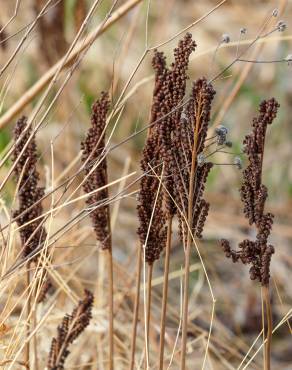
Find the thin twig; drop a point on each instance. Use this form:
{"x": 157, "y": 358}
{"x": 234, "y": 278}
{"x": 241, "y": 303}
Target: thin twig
{"x": 148, "y": 310}
{"x": 266, "y": 296}
{"x": 165, "y": 292}
{"x": 136, "y": 309}
{"x": 27, "y": 349}
{"x": 189, "y": 242}
{"x": 111, "y": 308}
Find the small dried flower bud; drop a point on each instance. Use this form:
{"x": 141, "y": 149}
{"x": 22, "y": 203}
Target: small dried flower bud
{"x": 221, "y": 140}
{"x": 225, "y": 38}
{"x": 275, "y": 13}
{"x": 228, "y": 144}
{"x": 201, "y": 159}
{"x": 221, "y": 130}
{"x": 281, "y": 26}
{"x": 238, "y": 162}
{"x": 243, "y": 31}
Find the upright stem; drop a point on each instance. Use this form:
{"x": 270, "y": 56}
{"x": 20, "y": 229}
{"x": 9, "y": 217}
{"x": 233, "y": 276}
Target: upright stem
{"x": 148, "y": 310}
{"x": 35, "y": 343}
{"x": 165, "y": 292}
{"x": 136, "y": 309}
{"x": 266, "y": 295}
{"x": 111, "y": 308}
{"x": 28, "y": 309}
{"x": 188, "y": 246}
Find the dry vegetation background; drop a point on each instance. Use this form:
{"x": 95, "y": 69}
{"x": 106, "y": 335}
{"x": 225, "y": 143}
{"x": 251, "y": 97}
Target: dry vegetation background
{"x": 113, "y": 58}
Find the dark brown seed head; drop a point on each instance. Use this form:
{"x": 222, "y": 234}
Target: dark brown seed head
{"x": 69, "y": 329}
{"x": 94, "y": 160}
{"x": 32, "y": 232}
{"x": 188, "y": 141}
{"x": 151, "y": 230}
{"x": 172, "y": 93}
{"x": 254, "y": 195}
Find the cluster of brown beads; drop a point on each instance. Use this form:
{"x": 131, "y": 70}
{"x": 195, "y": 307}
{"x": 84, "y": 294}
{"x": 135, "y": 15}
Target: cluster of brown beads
{"x": 170, "y": 98}
{"x": 95, "y": 164}
{"x": 151, "y": 230}
{"x": 254, "y": 194}
{"x": 177, "y": 134}
{"x": 70, "y": 328}
{"x": 32, "y": 233}
{"x": 189, "y": 140}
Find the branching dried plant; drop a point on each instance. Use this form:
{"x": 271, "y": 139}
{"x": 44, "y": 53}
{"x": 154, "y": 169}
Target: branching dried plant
{"x": 171, "y": 98}
{"x": 94, "y": 159}
{"x": 190, "y": 178}
{"x": 31, "y": 229}
{"x": 254, "y": 194}
{"x": 69, "y": 330}
{"x": 151, "y": 231}
{"x": 152, "y": 238}
{"x": 176, "y": 140}
{"x": 168, "y": 95}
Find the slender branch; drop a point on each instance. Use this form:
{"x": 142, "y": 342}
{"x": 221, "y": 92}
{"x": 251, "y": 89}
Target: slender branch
{"x": 267, "y": 300}
{"x": 189, "y": 242}
{"x": 148, "y": 310}
{"x": 28, "y": 307}
{"x": 35, "y": 342}
{"x": 111, "y": 308}
{"x": 136, "y": 309}
{"x": 165, "y": 292}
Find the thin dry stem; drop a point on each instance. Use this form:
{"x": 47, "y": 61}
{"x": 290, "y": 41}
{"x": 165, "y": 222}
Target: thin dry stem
{"x": 148, "y": 311}
{"x": 27, "y": 347}
{"x": 111, "y": 308}
{"x": 267, "y": 301}
{"x": 35, "y": 339}
{"x": 165, "y": 293}
{"x": 136, "y": 308}
{"x": 189, "y": 242}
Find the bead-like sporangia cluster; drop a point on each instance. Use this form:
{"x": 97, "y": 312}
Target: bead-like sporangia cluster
{"x": 32, "y": 233}
{"x": 189, "y": 140}
{"x": 171, "y": 95}
{"x": 177, "y": 133}
{"x": 151, "y": 230}
{"x": 70, "y": 328}
{"x": 254, "y": 194}
{"x": 94, "y": 160}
